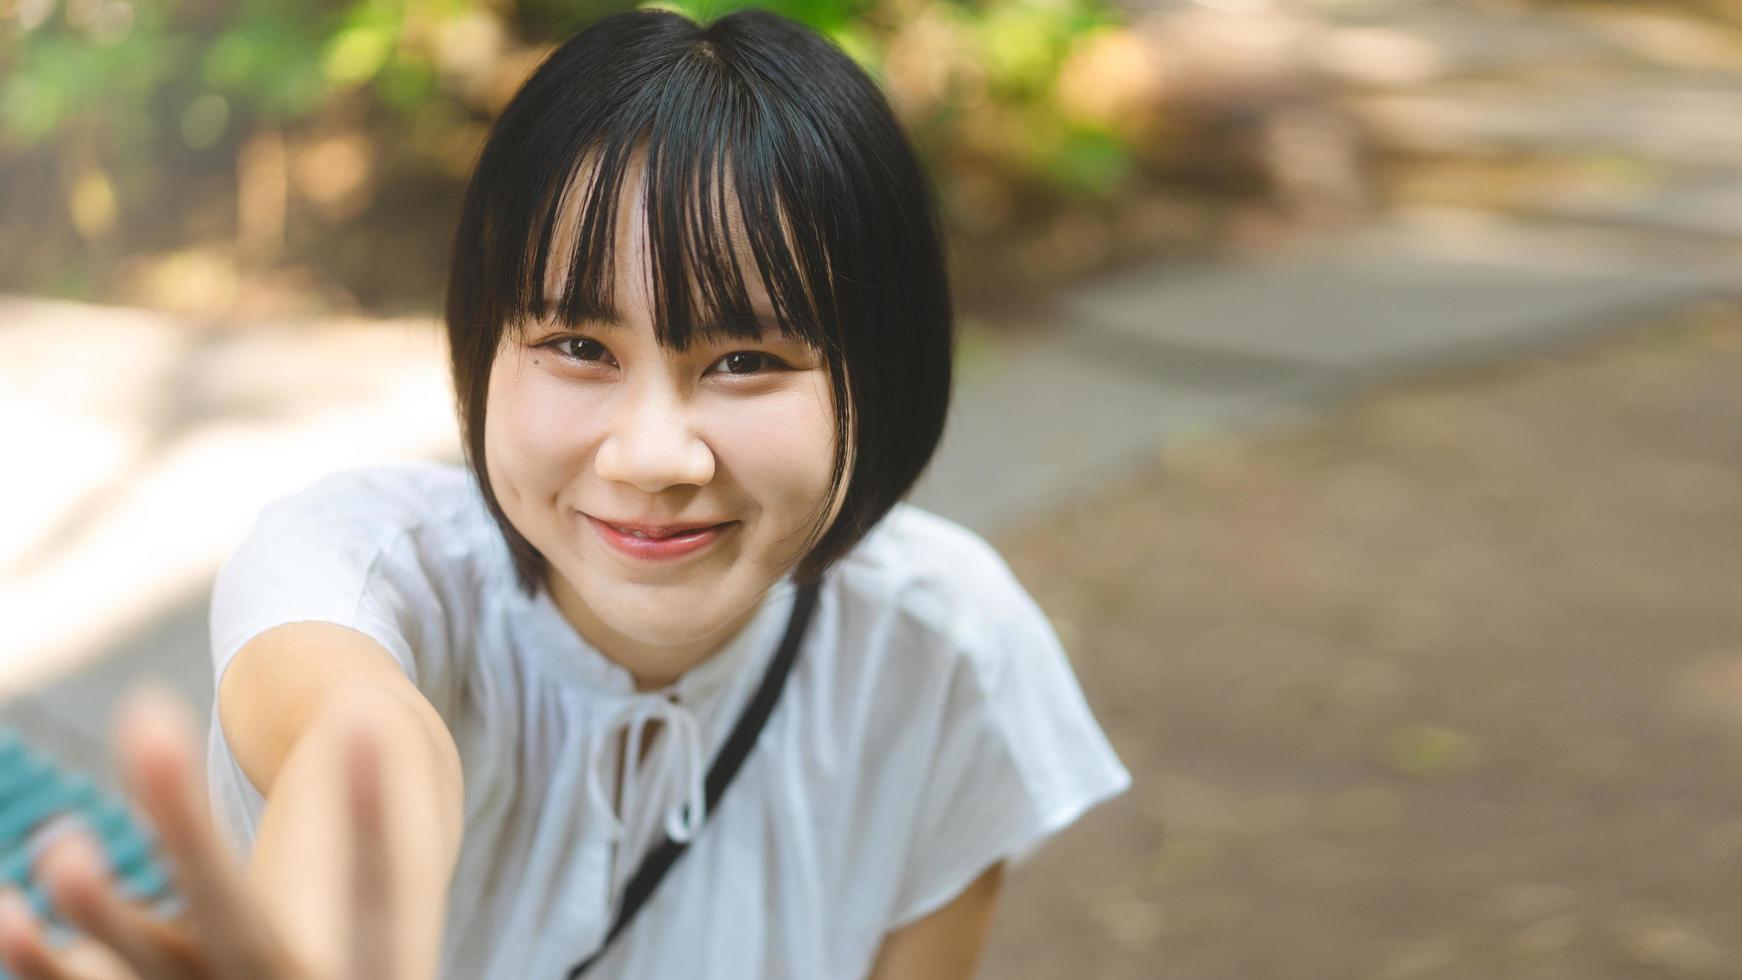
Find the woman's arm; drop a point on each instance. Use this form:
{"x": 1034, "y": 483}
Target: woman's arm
{"x": 349, "y": 874}
{"x": 284, "y": 705}
{"x": 946, "y": 944}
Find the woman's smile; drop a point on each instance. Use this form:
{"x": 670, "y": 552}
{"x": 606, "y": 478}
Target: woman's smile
{"x": 642, "y": 546}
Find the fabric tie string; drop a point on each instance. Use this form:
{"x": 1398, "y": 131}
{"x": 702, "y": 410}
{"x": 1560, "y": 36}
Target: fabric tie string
{"x": 681, "y": 751}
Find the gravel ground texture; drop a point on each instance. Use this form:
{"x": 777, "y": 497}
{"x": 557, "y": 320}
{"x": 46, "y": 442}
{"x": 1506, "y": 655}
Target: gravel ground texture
{"x": 1443, "y": 683}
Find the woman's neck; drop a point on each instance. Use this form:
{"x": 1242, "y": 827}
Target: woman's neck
{"x": 653, "y": 667}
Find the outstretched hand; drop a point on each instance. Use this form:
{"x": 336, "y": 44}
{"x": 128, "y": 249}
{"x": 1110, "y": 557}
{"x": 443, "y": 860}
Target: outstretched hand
{"x": 224, "y": 932}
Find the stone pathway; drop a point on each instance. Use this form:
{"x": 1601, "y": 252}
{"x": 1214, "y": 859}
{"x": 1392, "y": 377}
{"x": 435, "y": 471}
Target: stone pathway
{"x": 1453, "y": 40}
{"x": 1670, "y": 120}
{"x": 1647, "y": 97}
{"x": 1157, "y": 352}
{"x": 1711, "y": 207}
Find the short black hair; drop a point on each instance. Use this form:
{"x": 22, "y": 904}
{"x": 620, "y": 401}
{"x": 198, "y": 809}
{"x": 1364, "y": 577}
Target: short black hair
{"x": 840, "y": 216}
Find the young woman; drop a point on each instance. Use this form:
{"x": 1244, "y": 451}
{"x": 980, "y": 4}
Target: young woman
{"x": 701, "y": 347}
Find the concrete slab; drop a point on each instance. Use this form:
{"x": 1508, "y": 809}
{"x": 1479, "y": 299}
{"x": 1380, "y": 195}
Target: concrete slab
{"x": 1668, "y": 119}
{"x": 72, "y": 715}
{"x": 1450, "y": 39}
{"x": 1054, "y": 420}
{"x": 51, "y": 735}
{"x": 1390, "y": 300}
{"x": 1709, "y": 207}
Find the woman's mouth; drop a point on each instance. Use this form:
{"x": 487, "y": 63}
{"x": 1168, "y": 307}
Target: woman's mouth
{"x": 656, "y": 545}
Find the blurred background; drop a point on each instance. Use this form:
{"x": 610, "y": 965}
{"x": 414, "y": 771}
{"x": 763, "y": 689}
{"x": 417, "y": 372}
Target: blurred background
{"x": 1356, "y": 383}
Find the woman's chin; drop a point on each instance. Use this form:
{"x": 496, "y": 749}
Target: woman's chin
{"x": 657, "y": 618}
{"x": 670, "y": 636}
{"x": 682, "y": 617}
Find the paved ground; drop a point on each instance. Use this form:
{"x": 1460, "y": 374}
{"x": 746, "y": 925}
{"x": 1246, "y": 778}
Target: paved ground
{"x": 1444, "y": 684}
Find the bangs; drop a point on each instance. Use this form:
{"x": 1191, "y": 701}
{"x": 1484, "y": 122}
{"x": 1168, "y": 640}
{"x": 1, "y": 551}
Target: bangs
{"x": 716, "y": 211}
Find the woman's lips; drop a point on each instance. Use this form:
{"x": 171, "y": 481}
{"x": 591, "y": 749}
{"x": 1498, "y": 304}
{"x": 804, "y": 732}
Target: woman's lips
{"x": 658, "y": 549}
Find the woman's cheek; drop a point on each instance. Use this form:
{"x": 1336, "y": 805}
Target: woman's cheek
{"x": 779, "y": 447}
{"x": 540, "y": 427}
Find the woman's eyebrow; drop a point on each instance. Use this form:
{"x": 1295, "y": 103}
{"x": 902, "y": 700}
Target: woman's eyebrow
{"x": 605, "y": 316}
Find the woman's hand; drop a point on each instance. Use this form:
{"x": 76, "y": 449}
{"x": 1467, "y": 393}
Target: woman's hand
{"x": 224, "y": 932}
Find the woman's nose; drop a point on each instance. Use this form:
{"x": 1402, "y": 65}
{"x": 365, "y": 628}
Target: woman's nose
{"x": 653, "y": 444}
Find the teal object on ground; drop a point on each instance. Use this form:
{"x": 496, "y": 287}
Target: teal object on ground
{"x": 35, "y": 790}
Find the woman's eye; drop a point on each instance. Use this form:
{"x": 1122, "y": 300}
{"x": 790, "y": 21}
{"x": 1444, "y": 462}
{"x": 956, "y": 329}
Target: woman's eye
{"x": 580, "y": 348}
{"x": 747, "y": 362}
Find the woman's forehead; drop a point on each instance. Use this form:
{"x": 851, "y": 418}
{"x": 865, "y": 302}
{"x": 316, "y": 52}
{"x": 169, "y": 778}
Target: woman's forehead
{"x": 631, "y": 260}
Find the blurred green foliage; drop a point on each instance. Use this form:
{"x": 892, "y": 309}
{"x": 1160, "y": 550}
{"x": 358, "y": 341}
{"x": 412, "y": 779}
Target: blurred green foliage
{"x": 137, "y": 72}
{"x": 125, "y": 124}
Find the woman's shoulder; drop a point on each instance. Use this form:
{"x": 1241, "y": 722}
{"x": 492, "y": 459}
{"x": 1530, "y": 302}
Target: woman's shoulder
{"x": 379, "y": 504}
{"x": 912, "y": 543}
{"x": 943, "y": 579}
{"x": 387, "y": 549}
{"x": 961, "y": 651}
{"x": 361, "y": 522}
{"x": 399, "y": 495}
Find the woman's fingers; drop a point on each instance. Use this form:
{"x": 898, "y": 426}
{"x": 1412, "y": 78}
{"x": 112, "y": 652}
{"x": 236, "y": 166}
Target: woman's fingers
{"x": 160, "y": 764}
{"x": 88, "y": 959}
{"x": 22, "y": 947}
{"x": 74, "y": 870}
{"x": 371, "y": 887}
{"x": 27, "y": 955}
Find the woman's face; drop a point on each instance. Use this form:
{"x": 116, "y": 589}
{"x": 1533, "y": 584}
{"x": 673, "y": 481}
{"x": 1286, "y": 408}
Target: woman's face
{"x": 598, "y": 425}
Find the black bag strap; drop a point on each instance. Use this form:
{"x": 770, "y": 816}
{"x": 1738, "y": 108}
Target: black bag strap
{"x": 726, "y": 765}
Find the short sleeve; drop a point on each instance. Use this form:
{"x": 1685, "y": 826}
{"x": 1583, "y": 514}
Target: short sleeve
{"x": 1019, "y": 757}
{"x": 327, "y": 553}
{"x": 331, "y": 552}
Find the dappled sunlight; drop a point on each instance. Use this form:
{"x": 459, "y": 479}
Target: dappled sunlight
{"x": 1379, "y": 56}
{"x": 149, "y": 455}
{"x": 1668, "y": 37}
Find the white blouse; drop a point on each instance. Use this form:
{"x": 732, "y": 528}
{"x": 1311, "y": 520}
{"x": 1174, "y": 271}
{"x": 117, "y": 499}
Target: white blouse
{"x": 930, "y": 727}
